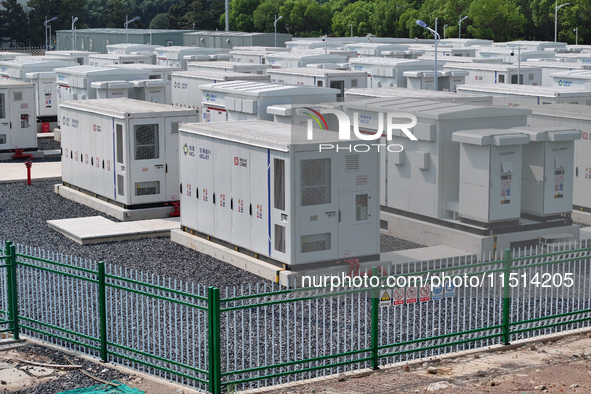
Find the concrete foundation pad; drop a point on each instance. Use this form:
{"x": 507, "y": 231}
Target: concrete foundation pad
{"x": 277, "y": 274}
{"x": 14, "y": 378}
{"x": 585, "y": 233}
{"x": 581, "y": 217}
{"x": 97, "y": 229}
{"x": 46, "y": 135}
{"x": 17, "y": 172}
{"x": 119, "y": 213}
{"x": 431, "y": 234}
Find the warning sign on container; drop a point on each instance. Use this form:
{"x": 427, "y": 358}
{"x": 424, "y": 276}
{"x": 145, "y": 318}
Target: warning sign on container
{"x": 411, "y": 295}
{"x": 385, "y": 297}
{"x": 398, "y": 297}
{"x": 425, "y": 293}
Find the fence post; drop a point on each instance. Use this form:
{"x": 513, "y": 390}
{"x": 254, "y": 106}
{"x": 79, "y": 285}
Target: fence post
{"x": 375, "y": 322}
{"x": 13, "y": 291}
{"x": 102, "y": 295}
{"x": 506, "y": 297}
{"x": 214, "y": 345}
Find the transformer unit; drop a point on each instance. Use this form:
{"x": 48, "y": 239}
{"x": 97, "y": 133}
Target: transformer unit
{"x": 186, "y": 83}
{"x": 153, "y": 90}
{"x": 266, "y": 190}
{"x": 123, "y": 150}
{"x": 80, "y": 57}
{"x": 240, "y": 100}
{"x": 45, "y": 89}
{"x": 111, "y": 89}
{"x": 17, "y": 109}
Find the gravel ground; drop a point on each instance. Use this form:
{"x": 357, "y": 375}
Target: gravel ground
{"x": 48, "y": 144}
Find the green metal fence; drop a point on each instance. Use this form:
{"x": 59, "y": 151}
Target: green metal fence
{"x": 253, "y": 336}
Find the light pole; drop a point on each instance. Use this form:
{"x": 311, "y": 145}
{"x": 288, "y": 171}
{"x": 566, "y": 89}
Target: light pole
{"x": 444, "y": 27}
{"x": 351, "y": 26}
{"x": 576, "y": 35}
{"x": 126, "y": 24}
{"x": 437, "y": 39}
{"x": 275, "y": 26}
{"x": 46, "y": 24}
{"x": 556, "y": 8}
{"x": 74, "y": 19}
{"x": 460, "y": 25}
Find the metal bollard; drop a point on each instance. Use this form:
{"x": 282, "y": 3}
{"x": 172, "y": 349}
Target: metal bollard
{"x": 29, "y": 164}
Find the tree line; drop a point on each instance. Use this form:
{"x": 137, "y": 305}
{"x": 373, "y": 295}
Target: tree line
{"x": 499, "y": 20}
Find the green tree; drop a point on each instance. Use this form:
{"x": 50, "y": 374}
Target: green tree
{"x": 63, "y": 9}
{"x": 194, "y": 13}
{"x": 386, "y": 16}
{"x": 304, "y": 16}
{"x": 408, "y": 24}
{"x": 160, "y": 21}
{"x": 265, "y": 14}
{"x": 359, "y": 15}
{"x": 499, "y": 20}
{"x": 241, "y": 15}
{"x": 14, "y": 22}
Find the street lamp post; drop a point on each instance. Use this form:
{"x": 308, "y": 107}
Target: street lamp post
{"x": 437, "y": 39}
{"x": 576, "y": 35}
{"x": 351, "y": 26}
{"x": 556, "y": 8}
{"x": 46, "y": 24}
{"x": 460, "y": 25}
{"x": 74, "y": 19}
{"x": 126, "y": 24}
{"x": 444, "y": 27}
{"x": 275, "y": 26}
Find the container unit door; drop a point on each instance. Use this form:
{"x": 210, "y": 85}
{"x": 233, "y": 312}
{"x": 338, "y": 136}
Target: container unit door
{"x": 86, "y": 141}
{"x": 280, "y": 206}
{"x": 317, "y": 207}
{"x": 121, "y": 152}
{"x": 259, "y": 206}
{"x": 223, "y": 162}
{"x": 96, "y": 154}
{"x": 358, "y": 204}
{"x": 5, "y": 134}
{"x": 76, "y": 150}
{"x": 172, "y": 158}
{"x": 147, "y": 172}
{"x": 206, "y": 153}
{"x": 109, "y": 159}
{"x": 240, "y": 195}
{"x": 23, "y": 121}
{"x": 214, "y": 114}
{"x": 188, "y": 180}
{"x": 66, "y": 143}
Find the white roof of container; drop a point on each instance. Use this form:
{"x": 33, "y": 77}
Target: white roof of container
{"x": 546, "y": 44}
{"x": 386, "y": 61}
{"x": 126, "y": 45}
{"x": 524, "y": 90}
{"x": 260, "y": 133}
{"x": 305, "y": 55}
{"x": 175, "y": 49}
{"x": 569, "y": 111}
{"x": 70, "y": 53}
{"x": 227, "y": 64}
{"x": 556, "y": 63}
{"x": 574, "y": 74}
{"x": 497, "y": 137}
{"x": 315, "y": 72}
{"x": 221, "y": 75}
{"x": 461, "y": 42}
{"x": 23, "y": 62}
{"x": 376, "y": 45}
{"x": 490, "y": 66}
{"x": 126, "y": 108}
{"x": 94, "y": 70}
{"x": 266, "y": 89}
{"x": 11, "y": 83}
{"x": 549, "y": 133}
{"x": 418, "y": 93}
{"x": 116, "y": 56}
{"x": 435, "y": 110}
{"x": 429, "y": 73}
{"x": 258, "y": 49}
{"x": 146, "y": 66}
{"x": 462, "y": 59}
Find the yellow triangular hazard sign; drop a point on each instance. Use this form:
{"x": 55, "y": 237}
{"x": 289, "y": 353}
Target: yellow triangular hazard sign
{"x": 385, "y": 297}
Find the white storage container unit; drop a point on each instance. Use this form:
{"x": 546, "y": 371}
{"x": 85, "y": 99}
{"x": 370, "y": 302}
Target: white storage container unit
{"x": 80, "y": 57}
{"x": 549, "y": 46}
{"x": 374, "y": 48}
{"x": 446, "y": 80}
{"x": 428, "y": 50}
{"x": 547, "y": 180}
{"x": 514, "y": 95}
{"x": 269, "y": 192}
{"x": 572, "y": 80}
{"x": 46, "y": 104}
{"x": 254, "y": 55}
{"x": 152, "y": 90}
{"x": 75, "y": 83}
{"x": 488, "y": 73}
{"x": 336, "y": 79}
{"x": 553, "y": 66}
{"x": 301, "y": 59}
{"x": 174, "y": 55}
{"x": 18, "y": 68}
{"x": 577, "y": 117}
{"x": 582, "y": 58}
{"x": 156, "y": 72}
{"x": 490, "y": 175}
{"x": 355, "y": 94}
{"x": 388, "y": 72}
{"x": 109, "y": 59}
{"x": 111, "y": 89}
{"x": 305, "y": 45}
{"x": 462, "y": 59}
{"x": 424, "y": 178}
{"x": 249, "y": 68}
{"x": 467, "y": 42}
{"x": 511, "y": 55}
{"x": 124, "y": 48}
{"x": 185, "y": 84}
{"x": 123, "y": 150}
{"x": 241, "y": 100}
{"x": 5, "y": 56}
{"x": 17, "y": 111}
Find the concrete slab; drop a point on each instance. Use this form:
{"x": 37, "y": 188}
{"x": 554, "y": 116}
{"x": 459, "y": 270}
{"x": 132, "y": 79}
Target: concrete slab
{"x": 14, "y": 378}
{"x": 46, "y": 135}
{"x": 17, "y": 172}
{"x": 97, "y": 229}
{"x": 113, "y": 210}
{"x": 586, "y": 233}
{"x": 581, "y": 217}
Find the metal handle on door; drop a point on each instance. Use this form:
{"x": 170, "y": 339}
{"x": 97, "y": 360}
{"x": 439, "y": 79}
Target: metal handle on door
{"x": 214, "y": 198}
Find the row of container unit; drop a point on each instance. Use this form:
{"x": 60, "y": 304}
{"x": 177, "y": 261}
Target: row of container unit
{"x": 572, "y": 80}
{"x": 253, "y": 55}
{"x": 17, "y": 116}
{"x": 250, "y": 68}
{"x": 336, "y": 79}
{"x": 491, "y": 73}
{"x": 123, "y": 150}
{"x": 515, "y": 95}
{"x": 460, "y": 97}
{"x": 383, "y": 72}
{"x": 265, "y": 189}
